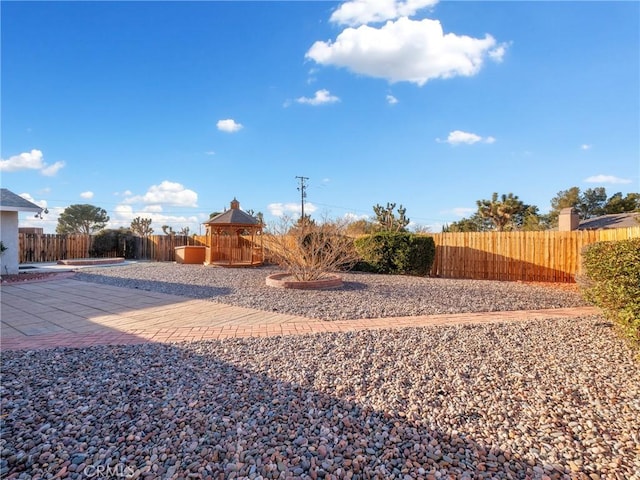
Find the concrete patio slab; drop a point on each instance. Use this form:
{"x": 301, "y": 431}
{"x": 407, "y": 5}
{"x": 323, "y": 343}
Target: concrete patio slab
{"x": 72, "y": 313}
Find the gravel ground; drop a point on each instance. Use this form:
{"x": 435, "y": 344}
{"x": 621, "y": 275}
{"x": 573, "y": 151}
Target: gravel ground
{"x": 529, "y": 400}
{"x": 362, "y": 296}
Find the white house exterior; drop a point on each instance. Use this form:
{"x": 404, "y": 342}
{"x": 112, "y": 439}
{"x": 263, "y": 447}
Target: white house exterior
{"x": 10, "y": 205}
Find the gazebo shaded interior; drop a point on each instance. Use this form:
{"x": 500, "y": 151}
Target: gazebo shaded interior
{"x": 234, "y": 239}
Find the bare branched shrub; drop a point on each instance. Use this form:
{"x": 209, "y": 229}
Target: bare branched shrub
{"x": 310, "y": 251}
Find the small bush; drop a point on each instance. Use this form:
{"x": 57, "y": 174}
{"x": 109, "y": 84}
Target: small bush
{"x": 422, "y": 254}
{"x": 396, "y": 253}
{"x": 113, "y": 243}
{"x": 611, "y": 281}
{"x": 312, "y": 252}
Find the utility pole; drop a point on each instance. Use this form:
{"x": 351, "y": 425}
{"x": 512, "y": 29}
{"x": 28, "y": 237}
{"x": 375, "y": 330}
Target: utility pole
{"x": 303, "y": 195}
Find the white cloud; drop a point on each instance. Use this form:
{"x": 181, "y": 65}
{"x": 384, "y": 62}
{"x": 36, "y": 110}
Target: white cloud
{"x": 606, "y": 179}
{"x": 167, "y": 193}
{"x": 152, "y": 209}
{"x": 33, "y": 160}
{"x": 407, "y": 50}
{"x": 86, "y": 195}
{"x": 123, "y": 213}
{"x": 25, "y": 161}
{"x": 497, "y": 54}
{"x": 210, "y": 152}
{"x": 280, "y": 209}
{"x": 229, "y": 125}
{"x": 126, "y": 193}
{"x": 458, "y": 137}
{"x": 360, "y": 12}
{"x": 585, "y": 146}
{"x": 391, "y": 100}
{"x": 462, "y": 211}
{"x": 321, "y": 97}
{"x": 122, "y": 216}
{"x": 354, "y": 217}
{"x": 52, "y": 170}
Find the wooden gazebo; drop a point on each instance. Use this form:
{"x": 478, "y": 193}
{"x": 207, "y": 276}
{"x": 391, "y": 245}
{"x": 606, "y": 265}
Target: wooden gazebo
{"x": 234, "y": 239}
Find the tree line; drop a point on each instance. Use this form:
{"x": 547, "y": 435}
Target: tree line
{"x": 504, "y": 212}
{"x": 507, "y": 212}
{"x": 85, "y": 219}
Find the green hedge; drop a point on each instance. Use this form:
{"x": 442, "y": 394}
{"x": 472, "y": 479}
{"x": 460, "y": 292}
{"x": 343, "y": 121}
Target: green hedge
{"x": 611, "y": 281}
{"x": 120, "y": 243}
{"x": 396, "y": 253}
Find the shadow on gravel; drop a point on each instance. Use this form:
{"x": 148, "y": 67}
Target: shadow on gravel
{"x": 191, "y": 411}
{"x": 354, "y": 286}
{"x": 171, "y": 288}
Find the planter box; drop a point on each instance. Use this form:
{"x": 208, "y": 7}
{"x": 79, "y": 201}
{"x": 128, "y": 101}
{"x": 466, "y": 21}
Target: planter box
{"x": 286, "y": 280}
{"x": 190, "y": 254}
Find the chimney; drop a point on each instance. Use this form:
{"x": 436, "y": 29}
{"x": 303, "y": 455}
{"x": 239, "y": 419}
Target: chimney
{"x": 568, "y": 220}
{"x": 235, "y": 204}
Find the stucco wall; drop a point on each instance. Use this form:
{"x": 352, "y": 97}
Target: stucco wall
{"x": 9, "y": 236}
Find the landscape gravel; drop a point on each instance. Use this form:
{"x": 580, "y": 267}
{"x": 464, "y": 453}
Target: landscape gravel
{"x": 362, "y": 295}
{"x": 543, "y": 399}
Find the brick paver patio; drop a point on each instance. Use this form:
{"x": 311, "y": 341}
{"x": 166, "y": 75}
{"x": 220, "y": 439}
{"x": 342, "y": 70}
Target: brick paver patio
{"x": 72, "y": 313}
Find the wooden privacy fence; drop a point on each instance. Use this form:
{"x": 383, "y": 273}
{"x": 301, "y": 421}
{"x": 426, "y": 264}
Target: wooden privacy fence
{"x": 546, "y": 256}
{"x": 52, "y": 247}
{"x": 161, "y": 248}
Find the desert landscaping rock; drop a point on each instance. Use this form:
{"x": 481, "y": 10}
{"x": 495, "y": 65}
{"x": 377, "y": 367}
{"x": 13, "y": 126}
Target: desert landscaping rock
{"x": 362, "y": 295}
{"x": 527, "y": 400}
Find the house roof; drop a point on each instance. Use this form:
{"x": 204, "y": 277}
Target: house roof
{"x": 233, "y": 216}
{"x": 10, "y": 202}
{"x": 614, "y": 220}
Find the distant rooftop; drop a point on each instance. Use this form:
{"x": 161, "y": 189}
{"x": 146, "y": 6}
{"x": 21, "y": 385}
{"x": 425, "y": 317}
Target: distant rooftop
{"x": 614, "y": 220}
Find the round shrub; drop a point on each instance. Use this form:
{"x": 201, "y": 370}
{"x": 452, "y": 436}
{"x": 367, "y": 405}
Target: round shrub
{"x": 395, "y": 253}
{"x": 113, "y": 243}
{"x": 611, "y": 281}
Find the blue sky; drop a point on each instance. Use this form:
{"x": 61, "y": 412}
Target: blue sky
{"x": 169, "y": 110}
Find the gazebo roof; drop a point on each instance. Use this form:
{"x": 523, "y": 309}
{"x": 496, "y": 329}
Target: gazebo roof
{"x": 233, "y": 216}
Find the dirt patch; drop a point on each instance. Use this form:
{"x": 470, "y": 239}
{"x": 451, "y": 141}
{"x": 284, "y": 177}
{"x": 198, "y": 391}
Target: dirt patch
{"x": 33, "y": 277}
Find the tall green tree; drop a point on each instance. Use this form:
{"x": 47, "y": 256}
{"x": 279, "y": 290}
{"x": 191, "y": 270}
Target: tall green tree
{"x": 592, "y": 202}
{"x": 501, "y": 210}
{"x": 361, "y": 226}
{"x": 141, "y": 227}
{"x": 563, "y": 199}
{"x": 474, "y": 223}
{"x": 619, "y": 204}
{"x": 82, "y": 219}
{"x": 388, "y": 221}
{"x": 257, "y": 215}
{"x": 530, "y": 219}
